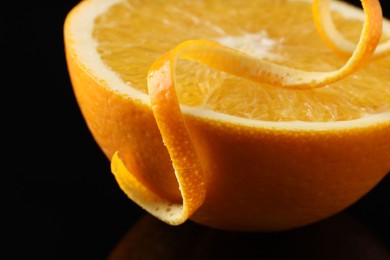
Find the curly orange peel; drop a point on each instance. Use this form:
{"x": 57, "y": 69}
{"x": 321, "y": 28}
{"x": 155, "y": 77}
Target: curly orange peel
{"x": 333, "y": 38}
{"x": 170, "y": 120}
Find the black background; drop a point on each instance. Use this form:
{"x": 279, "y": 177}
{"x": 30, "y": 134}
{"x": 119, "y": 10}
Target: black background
{"x": 60, "y": 201}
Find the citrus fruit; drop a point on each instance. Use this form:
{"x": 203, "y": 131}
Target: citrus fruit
{"x": 241, "y": 115}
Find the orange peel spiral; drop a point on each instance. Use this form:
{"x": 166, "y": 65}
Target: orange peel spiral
{"x": 170, "y": 120}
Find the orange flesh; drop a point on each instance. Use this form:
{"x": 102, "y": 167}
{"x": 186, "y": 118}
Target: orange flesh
{"x": 283, "y": 40}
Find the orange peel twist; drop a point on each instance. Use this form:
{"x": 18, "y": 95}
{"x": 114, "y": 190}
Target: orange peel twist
{"x": 333, "y": 38}
{"x": 170, "y": 120}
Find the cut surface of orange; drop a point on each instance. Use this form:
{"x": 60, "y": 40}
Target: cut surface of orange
{"x": 244, "y": 116}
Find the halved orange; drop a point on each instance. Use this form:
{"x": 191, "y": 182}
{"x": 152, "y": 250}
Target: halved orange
{"x": 222, "y": 143}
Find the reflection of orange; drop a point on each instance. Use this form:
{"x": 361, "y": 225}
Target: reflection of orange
{"x": 246, "y": 155}
{"x": 339, "y": 237}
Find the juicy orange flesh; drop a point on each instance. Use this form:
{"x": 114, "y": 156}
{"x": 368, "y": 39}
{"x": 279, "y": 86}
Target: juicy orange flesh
{"x": 140, "y": 31}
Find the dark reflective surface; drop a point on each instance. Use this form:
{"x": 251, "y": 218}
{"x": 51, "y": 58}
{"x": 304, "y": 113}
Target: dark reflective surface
{"x": 340, "y": 237}
{"x": 92, "y": 219}
{"x": 60, "y": 201}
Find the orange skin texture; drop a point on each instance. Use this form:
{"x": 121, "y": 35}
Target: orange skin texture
{"x": 276, "y": 180}
{"x": 127, "y": 126}
{"x": 256, "y": 179}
